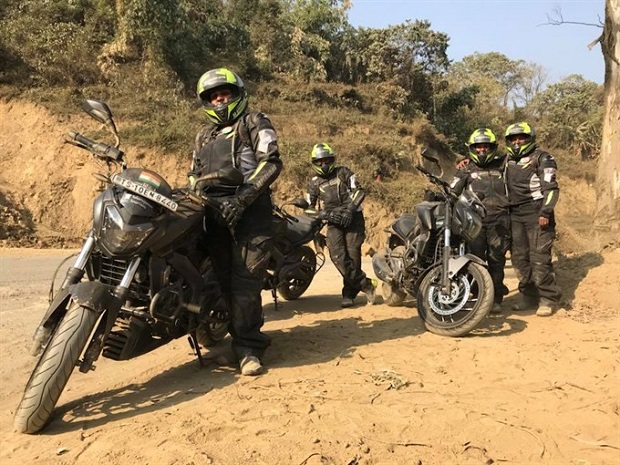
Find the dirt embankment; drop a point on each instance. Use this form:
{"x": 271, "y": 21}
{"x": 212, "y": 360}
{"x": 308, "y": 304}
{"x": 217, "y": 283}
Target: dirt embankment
{"x": 47, "y": 188}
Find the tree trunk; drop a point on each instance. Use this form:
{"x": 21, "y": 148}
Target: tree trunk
{"x": 607, "y": 220}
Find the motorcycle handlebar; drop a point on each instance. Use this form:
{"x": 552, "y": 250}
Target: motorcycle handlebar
{"x": 98, "y": 149}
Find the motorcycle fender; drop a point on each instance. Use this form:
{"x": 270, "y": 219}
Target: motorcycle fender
{"x": 382, "y": 268}
{"x": 455, "y": 264}
{"x": 91, "y": 294}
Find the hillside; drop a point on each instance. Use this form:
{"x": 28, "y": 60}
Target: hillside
{"x": 47, "y": 188}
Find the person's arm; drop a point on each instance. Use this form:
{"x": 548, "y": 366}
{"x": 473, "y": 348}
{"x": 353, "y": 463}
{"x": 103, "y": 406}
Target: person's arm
{"x": 265, "y": 144}
{"x": 356, "y": 191}
{"x": 459, "y": 181}
{"x": 547, "y": 172}
{"x": 313, "y": 194}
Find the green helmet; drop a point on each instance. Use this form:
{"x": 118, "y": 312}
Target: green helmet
{"x": 482, "y": 136}
{"x": 323, "y": 159}
{"x": 518, "y": 150}
{"x": 223, "y": 113}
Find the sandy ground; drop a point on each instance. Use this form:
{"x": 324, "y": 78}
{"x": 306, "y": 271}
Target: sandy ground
{"x": 365, "y": 385}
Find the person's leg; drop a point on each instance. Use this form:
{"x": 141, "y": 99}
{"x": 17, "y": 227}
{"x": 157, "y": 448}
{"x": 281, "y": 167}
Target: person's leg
{"x": 356, "y": 280}
{"x": 336, "y": 244}
{"x": 497, "y": 236}
{"x": 542, "y": 271}
{"x": 520, "y": 258}
{"x": 250, "y": 254}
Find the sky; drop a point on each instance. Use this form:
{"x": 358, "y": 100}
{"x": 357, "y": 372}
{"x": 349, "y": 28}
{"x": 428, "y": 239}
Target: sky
{"x": 514, "y": 28}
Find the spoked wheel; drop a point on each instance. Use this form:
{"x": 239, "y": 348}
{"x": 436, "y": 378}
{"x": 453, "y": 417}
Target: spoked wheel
{"x": 468, "y": 303}
{"x": 392, "y": 296}
{"x": 55, "y": 365}
{"x": 292, "y": 287}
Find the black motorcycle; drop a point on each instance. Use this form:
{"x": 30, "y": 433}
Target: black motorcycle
{"x": 426, "y": 258}
{"x": 140, "y": 280}
{"x": 293, "y": 262}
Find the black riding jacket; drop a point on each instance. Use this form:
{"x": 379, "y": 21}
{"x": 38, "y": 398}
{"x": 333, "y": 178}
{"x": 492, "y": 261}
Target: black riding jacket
{"x": 532, "y": 184}
{"x": 250, "y": 145}
{"x": 487, "y": 182}
{"x": 339, "y": 188}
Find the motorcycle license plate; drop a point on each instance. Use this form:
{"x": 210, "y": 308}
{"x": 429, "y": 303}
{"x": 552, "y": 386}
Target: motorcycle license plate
{"x": 145, "y": 192}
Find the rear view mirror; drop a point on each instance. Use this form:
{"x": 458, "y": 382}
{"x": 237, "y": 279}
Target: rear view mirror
{"x": 431, "y": 155}
{"x": 102, "y": 113}
{"x": 99, "y": 111}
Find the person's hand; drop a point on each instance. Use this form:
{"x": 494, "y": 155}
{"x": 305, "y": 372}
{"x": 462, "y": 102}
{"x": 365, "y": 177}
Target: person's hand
{"x": 340, "y": 217}
{"x": 232, "y": 210}
{"x": 543, "y": 222}
{"x": 345, "y": 218}
{"x": 462, "y": 164}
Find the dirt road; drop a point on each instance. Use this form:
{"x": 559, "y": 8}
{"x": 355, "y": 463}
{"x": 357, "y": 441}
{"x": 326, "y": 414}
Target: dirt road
{"x": 365, "y": 385}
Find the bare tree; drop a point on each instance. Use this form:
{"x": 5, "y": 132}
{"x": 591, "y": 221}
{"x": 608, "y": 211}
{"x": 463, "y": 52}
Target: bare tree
{"x": 608, "y": 177}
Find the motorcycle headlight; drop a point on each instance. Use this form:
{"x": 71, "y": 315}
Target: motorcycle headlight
{"x": 120, "y": 238}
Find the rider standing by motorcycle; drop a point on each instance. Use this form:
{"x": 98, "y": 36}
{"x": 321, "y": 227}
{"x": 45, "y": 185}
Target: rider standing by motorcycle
{"x": 484, "y": 175}
{"x": 533, "y": 190}
{"x": 238, "y": 233}
{"x": 340, "y": 196}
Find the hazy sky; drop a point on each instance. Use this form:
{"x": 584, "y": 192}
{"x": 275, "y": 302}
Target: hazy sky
{"x": 513, "y": 28}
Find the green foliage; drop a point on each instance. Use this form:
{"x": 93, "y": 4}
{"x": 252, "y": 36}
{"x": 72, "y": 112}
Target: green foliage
{"x": 57, "y": 39}
{"x": 378, "y": 95}
{"x": 570, "y": 115}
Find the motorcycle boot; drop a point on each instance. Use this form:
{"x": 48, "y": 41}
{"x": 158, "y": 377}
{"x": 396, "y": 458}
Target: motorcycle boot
{"x": 546, "y": 308}
{"x": 250, "y": 366}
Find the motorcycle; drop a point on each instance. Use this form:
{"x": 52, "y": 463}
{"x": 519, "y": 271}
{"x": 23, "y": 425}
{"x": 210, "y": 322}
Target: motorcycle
{"x": 293, "y": 262}
{"x": 426, "y": 257}
{"x": 139, "y": 281}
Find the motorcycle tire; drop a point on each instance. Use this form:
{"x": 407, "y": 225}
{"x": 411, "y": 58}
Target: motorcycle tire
{"x": 392, "y": 296}
{"x": 53, "y": 369}
{"x": 293, "y": 288}
{"x": 469, "y": 303}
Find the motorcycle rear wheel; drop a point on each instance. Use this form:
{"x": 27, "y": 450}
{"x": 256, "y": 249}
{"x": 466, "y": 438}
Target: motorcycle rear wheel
{"x": 52, "y": 371}
{"x": 469, "y": 303}
{"x": 293, "y": 288}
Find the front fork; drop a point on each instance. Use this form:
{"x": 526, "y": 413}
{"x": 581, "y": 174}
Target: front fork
{"x": 110, "y": 307}
{"x": 446, "y": 286}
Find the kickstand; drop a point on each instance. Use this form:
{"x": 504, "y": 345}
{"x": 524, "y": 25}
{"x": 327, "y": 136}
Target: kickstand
{"x": 274, "y": 294}
{"x": 193, "y": 343}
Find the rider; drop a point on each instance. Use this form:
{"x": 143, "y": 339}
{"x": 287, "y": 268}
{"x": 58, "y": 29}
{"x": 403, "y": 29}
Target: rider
{"x": 533, "y": 191}
{"x": 337, "y": 190}
{"x": 485, "y": 177}
{"x": 239, "y": 232}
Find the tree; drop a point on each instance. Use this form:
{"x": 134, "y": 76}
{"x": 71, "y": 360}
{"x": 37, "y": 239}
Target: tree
{"x": 569, "y": 113}
{"x": 608, "y": 177}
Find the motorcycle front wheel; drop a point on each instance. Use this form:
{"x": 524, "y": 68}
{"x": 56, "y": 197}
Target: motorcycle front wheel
{"x": 468, "y": 303}
{"x": 291, "y": 288}
{"x": 52, "y": 371}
